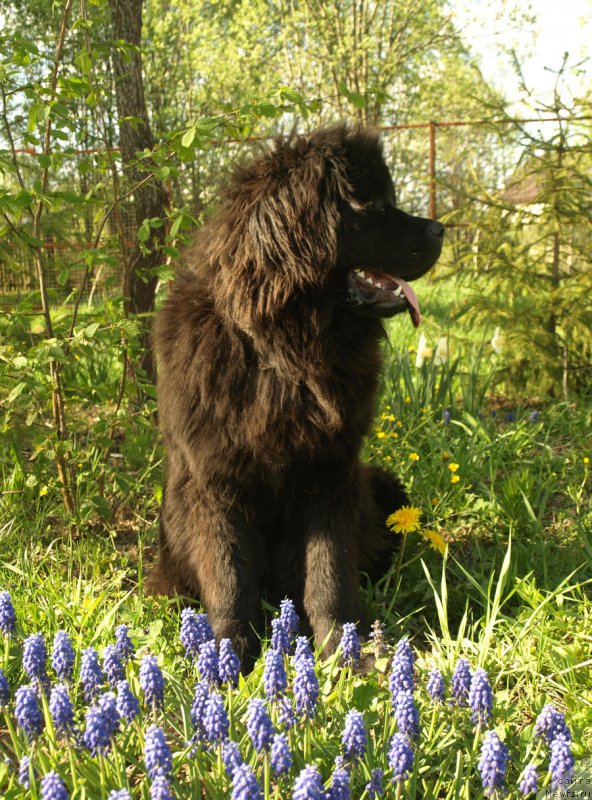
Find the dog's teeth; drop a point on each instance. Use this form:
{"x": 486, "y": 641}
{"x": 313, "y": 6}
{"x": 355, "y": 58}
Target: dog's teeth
{"x": 398, "y": 291}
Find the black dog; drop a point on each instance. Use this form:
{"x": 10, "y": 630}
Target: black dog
{"x": 269, "y": 356}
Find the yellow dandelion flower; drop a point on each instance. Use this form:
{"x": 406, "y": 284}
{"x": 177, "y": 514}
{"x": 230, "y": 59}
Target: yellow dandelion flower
{"x": 391, "y": 417}
{"x": 394, "y": 435}
{"x": 407, "y": 399}
{"x": 454, "y": 479}
{"x": 380, "y": 435}
{"x": 436, "y": 541}
{"x": 586, "y": 460}
{"x": 413, "y": 456}
{"x": 453, "y": 467}
{"x": 405, "y": 520}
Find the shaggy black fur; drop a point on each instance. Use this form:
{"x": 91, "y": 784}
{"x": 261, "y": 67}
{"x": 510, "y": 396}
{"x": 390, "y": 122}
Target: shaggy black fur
{"x": 269, "y": 357}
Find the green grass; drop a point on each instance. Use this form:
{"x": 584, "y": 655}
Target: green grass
{"x": 512, "y": 594}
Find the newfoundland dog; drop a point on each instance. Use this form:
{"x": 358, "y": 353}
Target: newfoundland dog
{"x": 269, "y": 352}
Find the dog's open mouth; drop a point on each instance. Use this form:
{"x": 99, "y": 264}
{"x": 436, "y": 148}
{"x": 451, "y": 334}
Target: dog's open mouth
{"x": 384, "y": 294}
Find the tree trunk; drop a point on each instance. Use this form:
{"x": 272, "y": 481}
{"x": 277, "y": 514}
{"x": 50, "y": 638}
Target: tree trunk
{"x": 149, "y": 197}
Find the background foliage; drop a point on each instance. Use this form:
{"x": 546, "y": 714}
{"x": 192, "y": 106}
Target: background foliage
{"x": 499, "y": 388}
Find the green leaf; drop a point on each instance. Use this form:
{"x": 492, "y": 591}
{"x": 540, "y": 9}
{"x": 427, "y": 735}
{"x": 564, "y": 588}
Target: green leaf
{"x": 188, "y": 136}
{"x": 16, "y": 392}
{"x": 63, "y": 277}
{"x": 44, "y": 161}
{"x": 90, "y": 330}
{"x": 144, "y": 231}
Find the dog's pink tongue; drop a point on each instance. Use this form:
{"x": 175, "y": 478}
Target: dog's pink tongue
{"x": 411, "y": 298}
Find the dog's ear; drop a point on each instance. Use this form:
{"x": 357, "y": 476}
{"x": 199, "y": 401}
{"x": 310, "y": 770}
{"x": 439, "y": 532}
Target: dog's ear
{"x": 277, "y": 234}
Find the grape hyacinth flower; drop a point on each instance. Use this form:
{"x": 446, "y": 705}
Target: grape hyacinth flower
{"x": 160, "y": 789}
{"x": 529, "y": 783}
{"x": 157, "y": 754}
{"x": 107, "y": 705}
{"x": 259, "y": 725}
{"x": 493, "y": 763}
{"x": 208, "y": 663}
{"x": 195, "y": 631}
{"x": 201, "y": 696}
{"x": 7, "y": 614}
{"x": 231, "y": 757}
{"x": 128, "y": 705}
{"x": 216, "y": 724}
{"x": 119, "y": 794}
{"x": 152, "y": 681}
{"x": 123, "y": 643}
{"x": 113, "y": 666}
{"x": 309, "y": 785}
{"x": 400, "y": 757}
{"x": 351, "y": 649}
{"x": 275, "y": 679}
{"x": 63, "y": 656}
{"x": 281, "y": 755}
{"x": 228, "y": 664}
{"x": 35, "y": 661}
{"x": 97, "y": 731}
{"x": 24, "y": 772}
{"x": 480, "y": 698}
{"x": 306, "y": 684}
{"x": 53, "y": 788}
{"x": 91, "y": 674}
{"x": 4, "y": 689}
{"x": 436, "y": 685}
{"x": 375, "y": 787}
{"x": 354, "y": 737}
{"x": 407, "y": 715}
{"x": 401, "y": 680}
{"x": 303, "y": 651}
{"x": 191, "y": 633}
{"x": 561, "y": 762}
{"x": 244, "y": 784}
{"x": 461, "y": 682}
{"x": 61, "y": 710}
{"x": 286, "y": 716}
{"x": 289, "y": 618}
{"x": 280, "y": 637}
{"x": 551, "y": 724}
{"x": 403, "y": 652}
{"x": 27, "y": 712}
{"x": 340, "y": 788}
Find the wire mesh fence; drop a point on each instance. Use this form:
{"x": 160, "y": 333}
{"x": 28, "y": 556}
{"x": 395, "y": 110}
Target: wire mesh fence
{"x": 439, "y": 169}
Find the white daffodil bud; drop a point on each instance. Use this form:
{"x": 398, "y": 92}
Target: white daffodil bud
{"x": 423, "y": 352}
{"x": 441, "y": 356}
{"x": 498, "y": 341}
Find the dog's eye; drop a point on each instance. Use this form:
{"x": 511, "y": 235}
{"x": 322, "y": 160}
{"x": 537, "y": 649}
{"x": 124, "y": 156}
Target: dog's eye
{"x": 378, "y": 206}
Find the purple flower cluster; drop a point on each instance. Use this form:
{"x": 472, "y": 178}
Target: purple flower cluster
{"x": 195, "y": 631}
{"x": 402, "y": 685}
{"x": 108, "y": 712}
{"x": 351, "y": 650}
{"x": 152, "y": 682}
{"x": 306, "y": 684}
{"x": 63, "y": 656}
{"x": 275, "y": 679}
{"x": 91, "y": 674}
{"x": 259, "y": 725}
{"x": 461, "y": 682}
{"x": 7, "y": 614}
{"x": 354, "y": 738}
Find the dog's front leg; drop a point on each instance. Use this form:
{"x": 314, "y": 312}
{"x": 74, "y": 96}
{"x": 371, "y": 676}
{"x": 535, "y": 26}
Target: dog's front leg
{"x": 331, "y": 596}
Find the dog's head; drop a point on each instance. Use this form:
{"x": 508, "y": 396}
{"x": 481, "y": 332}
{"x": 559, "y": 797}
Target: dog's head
{"x": 317, "y": 217}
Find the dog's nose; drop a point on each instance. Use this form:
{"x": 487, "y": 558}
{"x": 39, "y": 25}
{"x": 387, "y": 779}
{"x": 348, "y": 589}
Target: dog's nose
{"x": 436, "y": 229}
